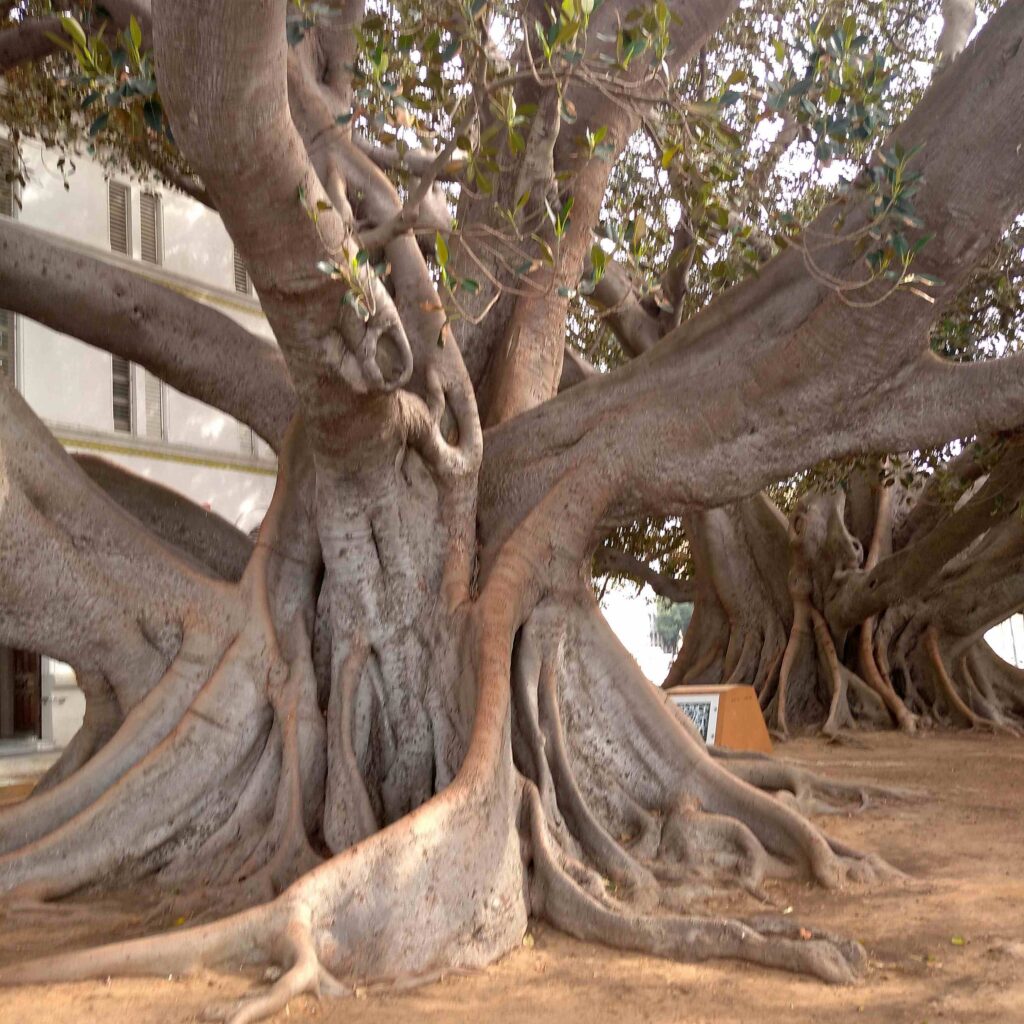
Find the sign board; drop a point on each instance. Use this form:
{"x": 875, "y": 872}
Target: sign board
{"x": 726, "y": 716}
{"x": 702, "y": 710}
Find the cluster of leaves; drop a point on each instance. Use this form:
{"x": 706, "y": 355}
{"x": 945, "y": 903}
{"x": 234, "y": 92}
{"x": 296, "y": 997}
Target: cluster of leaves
{"x": 747, "y": 168}
{"x": 96, "y": 92}
{"x": 671, "y": 622}
{"x": 119, "y": 76}
{"x": 834, "y": 83}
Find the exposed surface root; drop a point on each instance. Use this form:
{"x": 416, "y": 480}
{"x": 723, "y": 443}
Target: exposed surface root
{"x": 563, "y": 901}
{"x": 807, "y": 791}
{"x": 632, "y": 832}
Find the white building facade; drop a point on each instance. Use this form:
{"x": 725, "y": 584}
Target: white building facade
{"x": 105, "y": 405}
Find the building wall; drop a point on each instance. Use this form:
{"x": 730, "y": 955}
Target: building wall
{"x": 204, "y": 453}
{"x": 194, "y": 449}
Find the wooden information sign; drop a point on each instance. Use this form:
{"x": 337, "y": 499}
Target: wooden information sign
{"x": 726, "y": 716}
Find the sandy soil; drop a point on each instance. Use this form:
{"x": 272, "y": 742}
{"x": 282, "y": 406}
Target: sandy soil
{"x": 949, "y": 948}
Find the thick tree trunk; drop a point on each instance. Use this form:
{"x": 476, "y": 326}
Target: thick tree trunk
{"x": 412, "y": 774}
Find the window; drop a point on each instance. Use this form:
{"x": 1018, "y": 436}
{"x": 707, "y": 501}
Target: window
{"x": 121, "y": 377}
{"x": 155, "y": 425}
{"x": 150, "y": 223}
{"x": 119, "y": 220}
{"x": 119, "y": 208}
{"x": 242, "y": 282}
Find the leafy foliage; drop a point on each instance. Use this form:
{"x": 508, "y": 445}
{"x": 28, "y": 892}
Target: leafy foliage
{"x": 670, "y": 623}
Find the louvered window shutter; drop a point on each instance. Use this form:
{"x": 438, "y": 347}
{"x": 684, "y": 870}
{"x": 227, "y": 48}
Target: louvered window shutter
{"x": 151, "y": 228}
{"x": 242, "y": 282}
{"x": 121, "y": 379}
{"x": 119, "y": 209}
{"x": 154, "y": 406}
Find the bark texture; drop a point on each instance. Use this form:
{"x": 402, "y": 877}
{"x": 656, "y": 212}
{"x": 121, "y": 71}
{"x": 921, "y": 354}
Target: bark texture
{"x": 396, "y": 726}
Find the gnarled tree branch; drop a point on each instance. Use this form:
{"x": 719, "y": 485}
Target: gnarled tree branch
{"x": 192, "y": 347}
{"x": 679, "y": 450}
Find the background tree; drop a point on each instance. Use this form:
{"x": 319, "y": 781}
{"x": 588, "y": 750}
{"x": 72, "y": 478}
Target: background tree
{"x": 399, "y": 726}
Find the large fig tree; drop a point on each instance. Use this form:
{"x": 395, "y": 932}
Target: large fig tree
{"x": 396, "y": 726}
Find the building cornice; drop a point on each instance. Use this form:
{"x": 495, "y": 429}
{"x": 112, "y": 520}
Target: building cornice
{"x": 125, "y": 444}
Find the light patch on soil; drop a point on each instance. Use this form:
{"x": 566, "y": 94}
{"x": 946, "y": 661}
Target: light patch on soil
{"x": 964, "y": 845}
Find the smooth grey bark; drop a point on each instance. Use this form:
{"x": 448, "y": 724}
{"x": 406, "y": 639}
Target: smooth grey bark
{"x": 83, "y": 580}
{"x": 207, "y": 538}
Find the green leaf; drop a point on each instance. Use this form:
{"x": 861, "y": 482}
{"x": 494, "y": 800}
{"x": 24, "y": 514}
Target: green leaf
{"x": 153, "y": 115}
{"x": 98, "y": 125}
{"x": 441, "y": 248}
{"x": 469, "y": 285}
{"x": 135, "y": 31}
{"x": 75, "y": 30}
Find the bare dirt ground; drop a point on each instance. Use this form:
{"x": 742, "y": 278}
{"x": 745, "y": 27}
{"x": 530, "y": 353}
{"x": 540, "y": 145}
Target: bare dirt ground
{"x": 949, "y": 948}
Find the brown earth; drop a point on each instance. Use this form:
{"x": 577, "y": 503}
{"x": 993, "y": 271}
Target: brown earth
{"x": 948, "y": 947}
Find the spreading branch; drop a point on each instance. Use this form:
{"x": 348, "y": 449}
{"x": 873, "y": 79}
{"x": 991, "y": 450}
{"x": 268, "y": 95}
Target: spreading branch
{"x": 199, "y": 533}
{"x": 192, "y": 347}
{"x": 759, "y": 337}
{"x": 612, "y": 561}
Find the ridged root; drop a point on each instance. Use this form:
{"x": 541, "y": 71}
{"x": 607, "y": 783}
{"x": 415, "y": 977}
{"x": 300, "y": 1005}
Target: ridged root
{"x": 633, "y": 827}
{"x": 624, "y": 826}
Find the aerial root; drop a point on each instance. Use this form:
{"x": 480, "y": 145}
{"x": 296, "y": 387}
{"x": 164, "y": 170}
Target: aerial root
{"x": 947, "y": 688}
{"x": 567, "y": 905}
